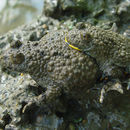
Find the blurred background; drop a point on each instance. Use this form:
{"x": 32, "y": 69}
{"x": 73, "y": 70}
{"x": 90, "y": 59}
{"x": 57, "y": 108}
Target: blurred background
{"x": 17, "y": 12}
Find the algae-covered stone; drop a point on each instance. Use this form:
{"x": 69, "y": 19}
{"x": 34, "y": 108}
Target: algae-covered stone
{"x": 94, "y": 11}
{"x": 79, "y": 7}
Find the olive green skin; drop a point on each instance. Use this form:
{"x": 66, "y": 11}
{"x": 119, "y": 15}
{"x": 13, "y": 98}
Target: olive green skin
{"x": 105, "y": 46}
{"x": 58, "y": 67}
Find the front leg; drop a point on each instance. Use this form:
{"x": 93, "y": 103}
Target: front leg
{"x": 50, "y": 95}
{"x": 110, "y": 86}
{"x": 44, "y": 99}
{"x": 111, "y": 70}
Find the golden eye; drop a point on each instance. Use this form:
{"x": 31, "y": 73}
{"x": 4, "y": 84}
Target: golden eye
{"x": 85, "y": 36}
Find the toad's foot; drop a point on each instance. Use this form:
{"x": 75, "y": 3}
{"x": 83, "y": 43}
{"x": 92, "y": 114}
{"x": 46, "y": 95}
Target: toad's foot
{"x": 44, "y": 99}
{"x": 110, "y": 86}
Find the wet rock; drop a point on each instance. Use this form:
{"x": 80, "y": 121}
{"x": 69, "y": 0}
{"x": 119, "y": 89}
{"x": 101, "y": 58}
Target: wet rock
{"x": 95, "y": 12}
{"x": 31, "y": 32}
{"x": 13, "y": 95}
{"x": 48, "y": 122}
{"x": 50, "y": 7}
{"x": 123, "y": 7}
{"x": 11, "y": 127}
{"x": 77, "y": 7}
{"x": 123, "y": 12}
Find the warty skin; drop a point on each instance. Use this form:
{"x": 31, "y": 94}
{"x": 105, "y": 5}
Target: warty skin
{"x": 58, "y": 67}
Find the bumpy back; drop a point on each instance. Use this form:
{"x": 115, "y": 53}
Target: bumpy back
{"x": 53, "y": 60}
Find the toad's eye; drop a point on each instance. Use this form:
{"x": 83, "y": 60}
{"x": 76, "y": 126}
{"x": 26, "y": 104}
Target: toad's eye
{"x": 85, "y": 36}
{"x": 17, "y": 58}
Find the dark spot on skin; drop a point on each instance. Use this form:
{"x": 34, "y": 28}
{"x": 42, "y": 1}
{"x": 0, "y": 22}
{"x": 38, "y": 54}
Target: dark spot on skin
{"x": 35, "y": 44}
{"x": 17, "y": 58}
{"x": 42, "y": 53}
{"x": 16, "y": 44}
{"x": 38, "y": 51}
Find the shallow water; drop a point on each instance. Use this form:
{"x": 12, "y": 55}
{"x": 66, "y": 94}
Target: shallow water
{"x": 17, "y": 12}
